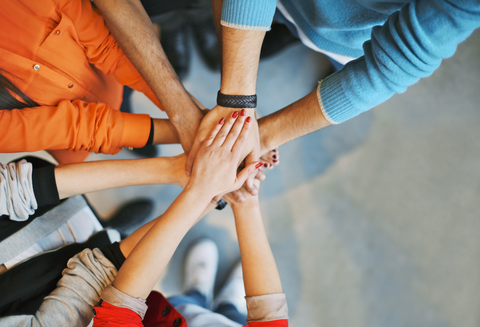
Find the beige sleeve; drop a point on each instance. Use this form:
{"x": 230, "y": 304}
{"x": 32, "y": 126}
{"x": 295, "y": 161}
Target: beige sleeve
{"x": 70, "y": 304}
{"x": 267, "y": 307}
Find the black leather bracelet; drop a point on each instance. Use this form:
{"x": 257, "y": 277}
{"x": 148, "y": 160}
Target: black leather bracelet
{"x": 236, "y": 101}
{"x": 221, "y": 205}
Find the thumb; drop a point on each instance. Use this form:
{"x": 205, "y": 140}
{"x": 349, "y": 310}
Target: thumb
{"x": 249, "y": 171}
{"x": 191, "y": 157}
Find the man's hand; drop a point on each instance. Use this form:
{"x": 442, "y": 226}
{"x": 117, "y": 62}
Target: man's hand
{"x": 251, "y": 151}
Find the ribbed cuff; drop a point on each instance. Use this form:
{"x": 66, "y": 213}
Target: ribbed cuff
{"x": 333, "y": 101}
{"x": 45, "y": 186}
{"x": 256, "y": 15}
{"x": 119, "y": 299}
{"x": 267, "y": 307}
{"x": 136, "y": 130}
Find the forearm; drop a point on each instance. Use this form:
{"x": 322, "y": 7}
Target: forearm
{"x": 164, "y": 132}
{"x": 151, "y": 255}
{"x": 131, "y": 27}
{"x": 297, "y": 119}
{"x": 260, "y": 272}
{"x": 93, "y": 176}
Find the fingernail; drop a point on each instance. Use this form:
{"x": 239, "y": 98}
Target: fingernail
{"x": 274, "y": 160}
{"x": 265, "y": 165}
{"x": 221, "y": 121}
{"x": 235, "y": 114}
{"x": 258, "y": 165}
{"x": 274, "y": 157}
{"x": 249, "y": 119}
{"x": 274, "y": 150}
{"x": 243, "y": 112}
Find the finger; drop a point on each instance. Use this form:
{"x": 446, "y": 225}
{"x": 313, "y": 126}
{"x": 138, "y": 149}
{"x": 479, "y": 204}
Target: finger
{"x": 235, "y": 131}
{"x": 260, "y": 175}
{"x": 216, "y": 129}
{"x": 249, "y": 171}
{"x": 191, "y": 156}
{"x": 242, "y": 137}
{"x": 222, "y": 135}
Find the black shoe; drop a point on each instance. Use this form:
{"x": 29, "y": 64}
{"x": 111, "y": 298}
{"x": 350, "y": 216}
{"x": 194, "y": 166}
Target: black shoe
{"x": 130, "y": 216}
{"x": 148, "y": 151}
{"x": 277, "y": 39}
{"x": 176, "y": 47}
{"x": 206, "y": 38}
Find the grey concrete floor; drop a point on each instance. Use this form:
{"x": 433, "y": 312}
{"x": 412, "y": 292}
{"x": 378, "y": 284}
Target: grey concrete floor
{"x": 374, "y": 222}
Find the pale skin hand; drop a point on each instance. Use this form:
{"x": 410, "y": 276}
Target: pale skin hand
{"x": 134, "y": 32}
{"x": 214, "y": 172}
{"x": 260, "y": 273}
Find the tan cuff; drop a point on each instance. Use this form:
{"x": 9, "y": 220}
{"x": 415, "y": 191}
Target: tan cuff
{"x": 267, "y": 307}
{"x": 136, "y": 130}
{"x": 119, "y": 299}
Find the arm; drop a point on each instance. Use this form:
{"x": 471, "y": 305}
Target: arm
{"x": 94, "y": 176}
{"x": 410, "y": 45}
{"x": 131, "y": 27}
{"x": 214, "y": 172}
{"x": 297, "y": 119}
{"x": 79, "y": 125}
{"x": 240, "y": 47}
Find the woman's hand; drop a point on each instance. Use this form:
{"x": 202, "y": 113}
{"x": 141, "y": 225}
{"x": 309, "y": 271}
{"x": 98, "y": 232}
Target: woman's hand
{"x": 214, "y": 170}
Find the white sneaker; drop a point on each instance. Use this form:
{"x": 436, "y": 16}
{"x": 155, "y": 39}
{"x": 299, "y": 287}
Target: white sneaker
{"x": 233, "y": 291}
{"x": 201, "y": 265}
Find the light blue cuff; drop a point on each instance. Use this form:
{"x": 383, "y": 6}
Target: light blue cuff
{"x": 253, "y": 15}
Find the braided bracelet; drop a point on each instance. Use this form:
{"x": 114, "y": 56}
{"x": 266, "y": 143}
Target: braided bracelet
{"x": 236, "y": 101}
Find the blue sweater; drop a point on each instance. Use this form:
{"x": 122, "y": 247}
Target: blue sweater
{"x": 397, "y": 42}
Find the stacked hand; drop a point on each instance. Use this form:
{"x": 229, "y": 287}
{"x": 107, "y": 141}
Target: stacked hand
{"x": 215, "y": 167}
{"x": 251, "y": 150}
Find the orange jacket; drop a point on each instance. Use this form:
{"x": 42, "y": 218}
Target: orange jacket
{"x": 61, "y": 54}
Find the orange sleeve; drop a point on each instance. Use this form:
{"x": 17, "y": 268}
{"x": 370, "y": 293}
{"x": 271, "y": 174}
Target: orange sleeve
{"x": 101, "y": 49}
{"x": 72, "y": 125}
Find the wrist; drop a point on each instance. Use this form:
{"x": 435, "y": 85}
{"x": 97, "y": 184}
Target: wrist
{"x": 200, "y": 194}
{"x": 265, "y": 136}
{"x": 251, "y": 202}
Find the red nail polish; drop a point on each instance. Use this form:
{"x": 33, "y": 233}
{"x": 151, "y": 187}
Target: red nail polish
{"x": 243, "y": 112}
{"x": 221, "y": 121}
{"x": 258, "y": 165}
{"x": 235, "y": 114}
{"x": 249, "y": 119}
{"x": 274, "y": 157}
{"x": 265, "y": 165}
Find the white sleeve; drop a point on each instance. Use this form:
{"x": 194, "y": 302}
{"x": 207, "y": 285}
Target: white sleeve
{"x": 17, "y": 198}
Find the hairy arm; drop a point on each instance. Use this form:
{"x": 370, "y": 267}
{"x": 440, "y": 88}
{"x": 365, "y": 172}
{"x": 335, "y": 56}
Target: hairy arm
{"x": 131, "y": 27}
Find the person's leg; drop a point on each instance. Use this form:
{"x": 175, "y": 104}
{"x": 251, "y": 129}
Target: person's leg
{"x": 158, "y": 7}
{"x": 191, "y": 297}
{"x": 230, "y": 301}
{"x": 174, "y": 40}
{"x": 231, "y": 312}
{"x": 199, "y": 14}
{"x": 201, "y": 265}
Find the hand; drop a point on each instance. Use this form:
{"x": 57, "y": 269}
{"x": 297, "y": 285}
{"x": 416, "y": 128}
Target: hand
{"x": 241, "y": 196}
{"x": 214, "y": 171}
{"x": 251, "y": 152}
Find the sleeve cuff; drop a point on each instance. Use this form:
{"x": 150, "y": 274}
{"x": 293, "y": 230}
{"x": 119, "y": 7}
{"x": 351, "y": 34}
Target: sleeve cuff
{"x": 119, "y": 299}
{"x": 136, "y": 130}
{"x": 267, "y": 307}
{"x": 45, "y": 186}
{"x": 335, "y": 105}
{"x": 251, "y": 15}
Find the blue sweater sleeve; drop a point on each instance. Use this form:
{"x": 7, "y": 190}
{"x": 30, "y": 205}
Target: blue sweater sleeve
{"x": 410, "y": 45}
{"x": 253, "y": 15}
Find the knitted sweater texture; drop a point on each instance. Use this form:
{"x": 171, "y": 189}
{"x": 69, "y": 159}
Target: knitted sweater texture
{"x": 396, "y": 42}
